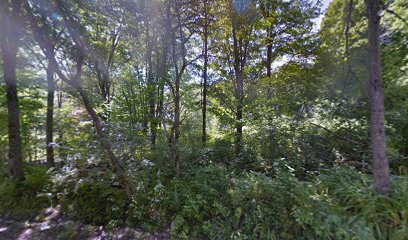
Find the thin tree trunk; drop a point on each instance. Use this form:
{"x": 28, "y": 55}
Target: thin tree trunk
{"x": 118, "y": 168}
{"x": 106, "y": 145}
{"x": 269, "y": 50}
{"x": 162, "y": 73}
{"x": 61, "y": 144}
{"x": 239, "y": 94}
{"x": 150, "y": 85}
{"x": 204, "y": 109}
{"x": 348, "y": 23}
{"x": 9, "y": 46}
{"x": 175, "y": 129}
{"x": 381, "y": 173}
{"x": 238, "y": 116}
{"x": 266, "y": 10}
{"x": 50, "y": 117}
{"x": 176, "y": 126}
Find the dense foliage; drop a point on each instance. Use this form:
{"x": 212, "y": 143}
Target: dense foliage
{"x": 227, "y": 119}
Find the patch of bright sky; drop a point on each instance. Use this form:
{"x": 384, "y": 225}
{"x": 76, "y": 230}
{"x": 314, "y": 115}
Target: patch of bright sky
{"x": 318, "y": 21}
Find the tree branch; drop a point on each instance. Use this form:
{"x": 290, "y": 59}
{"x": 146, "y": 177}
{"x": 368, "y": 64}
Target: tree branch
{"x": 396, "y": 15}
{"x": 338, "y": 136}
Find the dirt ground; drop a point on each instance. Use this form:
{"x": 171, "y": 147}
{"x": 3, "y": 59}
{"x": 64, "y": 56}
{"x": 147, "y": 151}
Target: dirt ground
{"x": 50, "y": 225}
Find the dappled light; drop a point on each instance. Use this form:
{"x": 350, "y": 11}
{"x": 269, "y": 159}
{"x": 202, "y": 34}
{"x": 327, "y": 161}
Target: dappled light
{"x": 203, "y": 119}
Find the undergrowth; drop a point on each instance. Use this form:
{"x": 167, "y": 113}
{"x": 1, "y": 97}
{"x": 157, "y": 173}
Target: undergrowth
{"x": 23, "y": 200}
{"x": 214, "y": 202}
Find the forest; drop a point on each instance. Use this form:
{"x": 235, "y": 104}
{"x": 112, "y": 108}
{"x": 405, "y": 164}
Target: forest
{"x": 204, "y": 119}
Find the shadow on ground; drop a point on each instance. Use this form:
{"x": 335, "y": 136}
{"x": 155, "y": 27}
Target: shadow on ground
{"x": 51, "y": 225}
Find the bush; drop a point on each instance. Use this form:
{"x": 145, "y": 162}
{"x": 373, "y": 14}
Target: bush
{"x": 194, "y": 200}
{"x": 339, "y": 204}
{"x": 260, "y": 208}
{"x": 92, "y": 196}
{"x": 345, "y": 206}
{"x": 24, "y": 200}
{"x": 99, "y": 203}
{"x": 183, "y": 204}
{"x": 217, "y": 203}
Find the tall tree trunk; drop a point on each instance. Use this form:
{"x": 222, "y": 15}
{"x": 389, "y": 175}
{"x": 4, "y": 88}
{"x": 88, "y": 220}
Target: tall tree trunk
{"x": 238, "y": 114}
{"x": 381, "y": 173}
{"x": 269, "y": 49}
{"x": 348, "y": 25}
{"x": 176, "y": 127}
{"x": 239, "y": 93}
{"x": 11, "y": 30}
{"x": 50, "y": 117}
{"x": 150, "y": 85}
{"x": 204, "y": 109}
{"x": 269, "y": 52}
{"x": 162, "y": 74}
{"x": 266, "y": 9}
{"x": 62, "y": 153}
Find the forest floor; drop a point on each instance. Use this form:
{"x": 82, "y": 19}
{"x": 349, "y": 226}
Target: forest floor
{"x": 51, "y": 225}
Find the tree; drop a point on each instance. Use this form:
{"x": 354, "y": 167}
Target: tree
{"x": 343, "y": 40}
{"x": 149, "y": 7}
{"x": 382, "y": 181}
{"x": 242, "y": 20}
{"x": 81, "y": 49}
{"x": 49, "y": 128}
{"x": 12, "y": 28}
{"x": 287, "y": 34}
{"x": 206, "y": 23}
{"x": 104, "y": 36}
{"x": 180, "y": 27}
{"x": 50, "y": 116}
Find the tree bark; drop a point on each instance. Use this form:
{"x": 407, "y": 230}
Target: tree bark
{"x": 61, "y": 143}
{"x": 269, "y": 51}
{"x": 150, "y": 83}
{"x": 381, "y": 173}
{"x": 176, "y": 127}
{"x": 239, "y": 92}
{"x": 239, "y": 114}
{"x": 162, "y": 75}
{"x": 50, "y": 117}
{"x": 204, "y": 109}
{"x": 11, "y": 30}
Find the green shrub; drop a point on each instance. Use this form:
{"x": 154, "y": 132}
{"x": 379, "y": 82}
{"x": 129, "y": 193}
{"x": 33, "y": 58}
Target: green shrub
{"x": 24, "y": 200}
{"x": 99, "y": 203}
{"x": 92, "y": 196}
{"x": 340, "y": 204}
{"x": 146, "y": 206}
{"x": 216, "y": 203}
{"x": 183, "y": 203}
{"x": 345, "y": 206}
{"x": 194, "y": 200}
{"x": 36, "y": 179}
{"x": 260, "y": 208}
